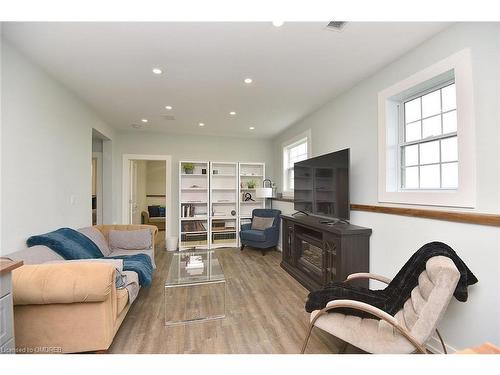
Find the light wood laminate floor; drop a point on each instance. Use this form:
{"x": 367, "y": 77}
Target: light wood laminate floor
{"x": 264, "y": 313}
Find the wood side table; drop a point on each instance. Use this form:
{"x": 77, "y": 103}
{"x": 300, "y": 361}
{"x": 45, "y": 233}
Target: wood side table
{"x": 7, "y": 343}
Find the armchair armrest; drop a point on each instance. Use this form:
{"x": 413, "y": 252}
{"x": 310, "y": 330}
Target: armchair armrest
{"x": 363, "y": 275}
{"x": 247, "y": 226}
{"x": 71, "y": 282}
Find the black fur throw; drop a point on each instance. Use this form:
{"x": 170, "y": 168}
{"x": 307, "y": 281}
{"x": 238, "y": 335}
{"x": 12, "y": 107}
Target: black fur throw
{"x": 392, "y": 298}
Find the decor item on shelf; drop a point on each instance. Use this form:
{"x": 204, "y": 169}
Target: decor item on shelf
{"x": 194, "y": 186}
{"x": 248, "y": 197}
{"x": 203, "y": 171}
{"x": 233, "y": 212}
{"x": 195, "y": 261}
{"x": 188, "y": 168}
{"x": 251, "y": 184}
{"x": 216, "y": 171}
{"x": 265, "y": 192}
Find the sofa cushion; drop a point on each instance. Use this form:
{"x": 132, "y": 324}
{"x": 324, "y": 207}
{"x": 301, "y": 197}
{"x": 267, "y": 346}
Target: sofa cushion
{"x": 132, "y": 285}
{"x": 98, "y": 238}
{"x": 253, "y": 235}
{"x": 35, "y": 255}
{"x": 130, "y": 239}
{"x": 261, "y": 223}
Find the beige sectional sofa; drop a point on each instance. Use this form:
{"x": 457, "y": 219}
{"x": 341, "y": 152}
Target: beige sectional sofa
{"x": 71, "y": 306}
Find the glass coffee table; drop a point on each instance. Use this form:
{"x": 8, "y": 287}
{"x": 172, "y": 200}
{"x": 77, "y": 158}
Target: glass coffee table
{"x": 194, "y": 294}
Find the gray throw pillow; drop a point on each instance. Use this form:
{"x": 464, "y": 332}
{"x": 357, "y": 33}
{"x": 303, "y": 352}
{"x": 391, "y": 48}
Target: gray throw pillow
{"x": 130, "y": 239}
{"x": 96, "y": 237}
{"x": 262, "y": 223}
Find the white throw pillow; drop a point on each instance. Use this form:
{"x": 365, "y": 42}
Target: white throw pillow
{"x": 262, "y": 223}
{"x": 130, "y": 239}
{"x": 96, "y": 236}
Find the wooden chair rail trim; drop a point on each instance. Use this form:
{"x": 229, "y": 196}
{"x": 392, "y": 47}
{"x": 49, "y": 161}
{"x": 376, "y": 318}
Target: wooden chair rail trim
{"x": 461, "y": 217}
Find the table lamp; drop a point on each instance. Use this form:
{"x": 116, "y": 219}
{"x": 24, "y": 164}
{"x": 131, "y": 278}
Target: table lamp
{"x": 265, "y": 192}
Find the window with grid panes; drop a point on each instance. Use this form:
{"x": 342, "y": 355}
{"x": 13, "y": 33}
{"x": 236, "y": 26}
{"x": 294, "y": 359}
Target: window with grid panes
{"x": 292, "y": 153}
{"x": 428, "y": 140}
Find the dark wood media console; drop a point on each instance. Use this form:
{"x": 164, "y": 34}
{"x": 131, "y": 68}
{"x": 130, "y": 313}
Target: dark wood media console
{"x": 316, "y": 254}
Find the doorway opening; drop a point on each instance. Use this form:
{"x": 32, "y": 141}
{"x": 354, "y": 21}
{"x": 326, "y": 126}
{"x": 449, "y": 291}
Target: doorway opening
{"x": 146, "y": 182}
{"x": 97, "y": 177}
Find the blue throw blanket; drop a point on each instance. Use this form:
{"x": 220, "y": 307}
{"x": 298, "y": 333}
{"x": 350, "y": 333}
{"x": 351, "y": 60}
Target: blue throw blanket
{"x": 68, "y": 243}
{"x": 71, "y": 244}
{"x": 140, "y": 264}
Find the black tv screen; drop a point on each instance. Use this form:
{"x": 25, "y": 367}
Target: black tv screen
{"x": 321, "y": 185}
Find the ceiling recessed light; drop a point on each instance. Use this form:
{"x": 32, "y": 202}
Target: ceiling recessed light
{"x": 144, "y": 120}
{"x": 251, "y": 128}
{"x": 278, "y": 23}
{"x": 168, "y": 107}
{"x": 232, "y": 113}
{"x": 248, "y": 80}
{"x": 157, "y": 71}
{"x": 201, "y": 124}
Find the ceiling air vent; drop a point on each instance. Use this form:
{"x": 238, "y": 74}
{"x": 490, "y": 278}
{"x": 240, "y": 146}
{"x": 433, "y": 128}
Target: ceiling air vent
{"x": 336, "y": 25}
{"x": 168, "y": 117}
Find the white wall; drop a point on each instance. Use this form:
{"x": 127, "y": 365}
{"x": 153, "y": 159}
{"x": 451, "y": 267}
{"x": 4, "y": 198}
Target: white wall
{"x": 183, "y": 147}
{"x": 46, "y": 153}
{"x": 350, "y": 120}
{"x": 155, "y": 182}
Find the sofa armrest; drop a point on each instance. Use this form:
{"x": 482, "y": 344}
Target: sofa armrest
{"x": 70, "y": 282}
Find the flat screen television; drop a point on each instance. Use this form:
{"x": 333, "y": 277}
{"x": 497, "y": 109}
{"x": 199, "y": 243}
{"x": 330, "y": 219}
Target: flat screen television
{"x": 321, "y": 185}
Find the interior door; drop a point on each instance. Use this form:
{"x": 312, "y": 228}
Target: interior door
{"x": 133, "y": 206}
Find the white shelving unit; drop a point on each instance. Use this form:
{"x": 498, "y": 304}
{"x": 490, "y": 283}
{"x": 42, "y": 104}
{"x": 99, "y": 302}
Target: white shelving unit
{"x": 223, "y": 204}
{"x": 248, "y": 172}
{"x": 216, "y": 202}
{"x": 194, "y": 229}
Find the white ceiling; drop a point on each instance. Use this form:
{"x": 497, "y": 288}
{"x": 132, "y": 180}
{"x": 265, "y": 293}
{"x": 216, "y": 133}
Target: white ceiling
{"x": 295, "y": 68}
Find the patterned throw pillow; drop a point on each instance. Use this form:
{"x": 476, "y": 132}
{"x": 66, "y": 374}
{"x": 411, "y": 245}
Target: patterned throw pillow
{"x": 262, "y": 223}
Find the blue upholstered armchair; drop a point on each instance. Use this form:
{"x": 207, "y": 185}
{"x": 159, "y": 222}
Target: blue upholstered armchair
{"x": 261, "y": 239}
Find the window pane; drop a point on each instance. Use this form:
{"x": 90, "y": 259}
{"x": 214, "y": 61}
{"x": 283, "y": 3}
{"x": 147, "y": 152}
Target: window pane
{"x": 429, "y": 152}
{"x": 412, "y": 110}
{"x": 431, "y": 126}
{"x": 450, "y": 122}
{"x": 429, "y": 176}
{"x": 449, "y": 98}
{"x": 412, "y": 131}
{"x": 449, "y": 150}
{"x": 431, "y": 104}
{"x": 411, "y": 178}
{"x": 411, "y": 155}
{"x": 449, "y": 175}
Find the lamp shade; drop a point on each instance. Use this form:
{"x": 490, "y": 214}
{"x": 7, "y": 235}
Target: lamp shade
{"x": 264, "y": 192}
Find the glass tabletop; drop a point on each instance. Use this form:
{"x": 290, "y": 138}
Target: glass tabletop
{"x": 192, "y": 267}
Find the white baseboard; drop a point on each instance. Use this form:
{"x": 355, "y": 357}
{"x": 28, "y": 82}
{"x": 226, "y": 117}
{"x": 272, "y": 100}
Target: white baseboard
{"x": 434, "y": 345}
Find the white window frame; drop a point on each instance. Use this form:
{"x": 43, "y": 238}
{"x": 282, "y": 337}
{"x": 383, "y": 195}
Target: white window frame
{"x": 292, "y": 142}
{"x": 457, "y": 67}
